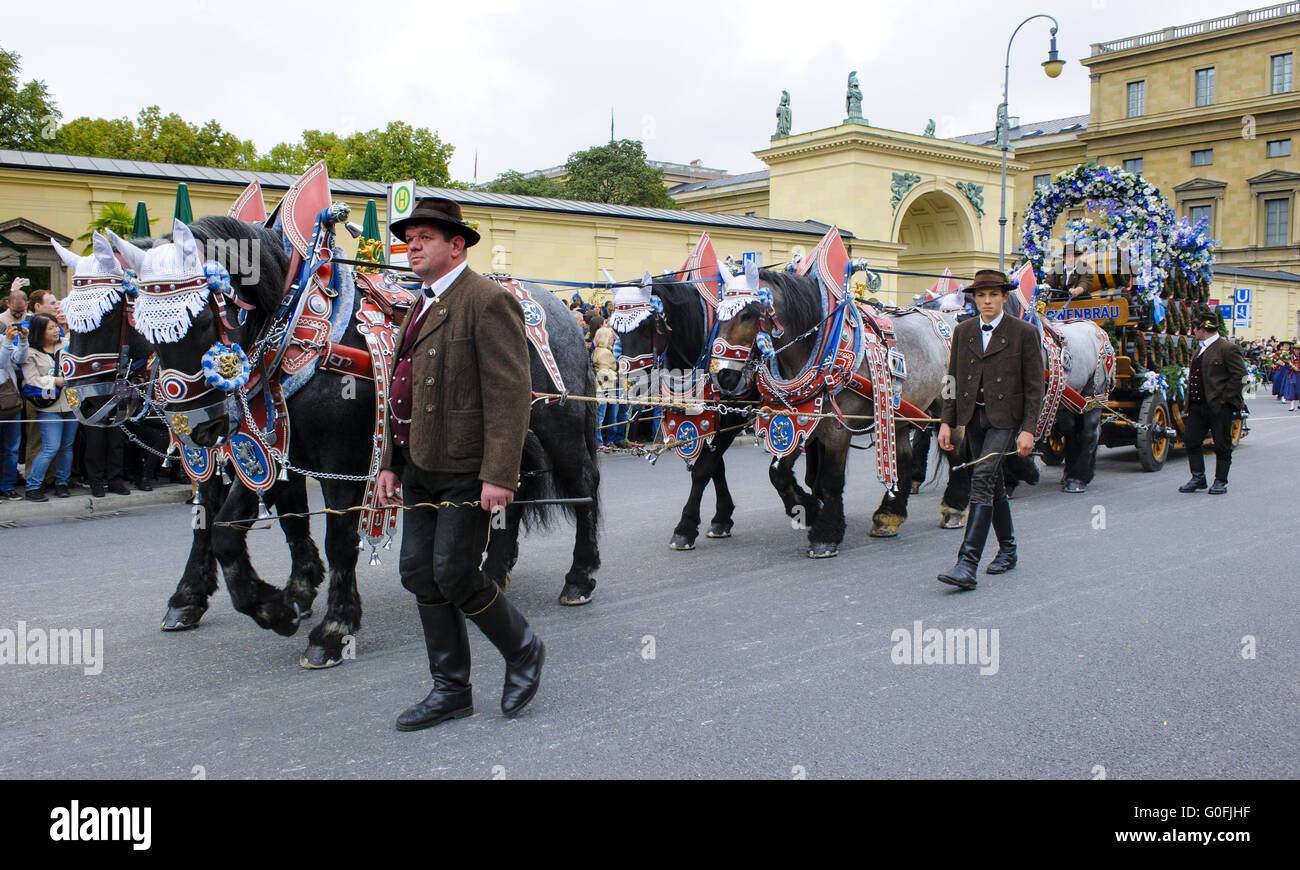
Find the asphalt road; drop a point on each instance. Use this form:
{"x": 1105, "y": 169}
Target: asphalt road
{"x": 1119, "y": 648}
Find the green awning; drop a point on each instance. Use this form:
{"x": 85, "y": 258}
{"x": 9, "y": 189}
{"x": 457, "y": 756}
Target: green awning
{"x": 141, "y": 228}
{"x": 183, "y": 212}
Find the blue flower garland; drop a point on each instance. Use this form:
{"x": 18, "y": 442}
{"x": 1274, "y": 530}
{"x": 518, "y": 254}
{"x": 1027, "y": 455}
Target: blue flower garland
{"x": 1136, "y": 214}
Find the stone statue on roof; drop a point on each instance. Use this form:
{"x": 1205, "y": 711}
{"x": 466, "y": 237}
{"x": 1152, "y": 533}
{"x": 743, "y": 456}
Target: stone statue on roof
{"x": 929, "y": 129}
{"x": 783, "y": 117}
{"x": 853, "y": 101}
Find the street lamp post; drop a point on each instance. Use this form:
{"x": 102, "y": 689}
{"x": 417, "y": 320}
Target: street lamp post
{"x": 1052, "y": 66}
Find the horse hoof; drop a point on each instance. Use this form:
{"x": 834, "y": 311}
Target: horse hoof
{"x": 952, "y": 521}
{"x": 681, "y": 542}
{"x": 181, "y": 618}
{"x": 717, "y": 530}
{"x": 1074, "y": 486}
{"x": 574, "y": 595}
{"x": 823, "y": 551}
{"x": 318, "y": 658}
{"x": 879, "y": 531}
{"x": 916, "y": 487}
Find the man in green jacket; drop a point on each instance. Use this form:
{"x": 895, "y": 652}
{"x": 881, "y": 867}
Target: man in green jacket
{"x": 1215, "y": 381}
{"x": 458, "y": 406}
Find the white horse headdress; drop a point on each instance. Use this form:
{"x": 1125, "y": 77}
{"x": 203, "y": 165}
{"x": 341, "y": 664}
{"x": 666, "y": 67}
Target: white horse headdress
{"x": 96, "y": 284}
{"x": 173, "y": 285}
{"x": 740, "y": 290}
{"x": 632, "y": 305}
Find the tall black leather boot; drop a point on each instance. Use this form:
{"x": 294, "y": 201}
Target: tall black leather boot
{"x": 447, "y": 643}
{"x": 523, "y": 650}
{"x": 1005, "y": 560}
{"x": 962, "y": 574}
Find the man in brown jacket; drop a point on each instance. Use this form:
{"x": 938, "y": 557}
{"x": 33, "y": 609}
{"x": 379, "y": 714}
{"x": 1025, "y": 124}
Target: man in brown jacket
{"x": 458, "y": 408}
{"x": 1215, "y": 380}
{"x": 995, "y": 390}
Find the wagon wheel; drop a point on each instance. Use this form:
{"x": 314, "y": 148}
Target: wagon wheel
{"x": 1053, "y": 447}
{"x": 1152, "y": 443}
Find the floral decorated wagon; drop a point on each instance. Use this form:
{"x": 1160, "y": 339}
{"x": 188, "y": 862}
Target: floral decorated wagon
{"x": 1150, "y": 278}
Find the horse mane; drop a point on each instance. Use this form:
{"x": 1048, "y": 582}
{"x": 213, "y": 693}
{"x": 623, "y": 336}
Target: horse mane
{"x": 266, "y": 244}
{"x": 799, "y": 297}
{"x": 683, "y": 309}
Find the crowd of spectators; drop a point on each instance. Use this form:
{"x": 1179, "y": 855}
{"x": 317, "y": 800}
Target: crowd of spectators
{"x": 42, "y": 448}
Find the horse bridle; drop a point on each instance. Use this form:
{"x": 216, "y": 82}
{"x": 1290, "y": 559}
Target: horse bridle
{"x": 74, "y": 367}
{"x": 173, "y": 387}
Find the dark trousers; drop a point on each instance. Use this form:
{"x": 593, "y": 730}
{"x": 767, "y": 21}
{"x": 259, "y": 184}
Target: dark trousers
{"x": 987, "y": 484}
{"x": 104, "y": 448}
{"x": 1198, "y": 420}
{"x": 442, "y": 549}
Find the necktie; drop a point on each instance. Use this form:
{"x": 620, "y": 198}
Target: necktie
{"x": 429, "y": 292}
{"x": 987, "y": 327}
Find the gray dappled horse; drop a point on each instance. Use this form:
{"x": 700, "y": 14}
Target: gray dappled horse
{"x": 796, "y": 303}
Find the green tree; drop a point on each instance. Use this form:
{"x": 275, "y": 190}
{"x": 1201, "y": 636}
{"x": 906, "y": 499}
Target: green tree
{"x": 96, "y": 137}
{"x": 28, "y": 116}
{"x": 616, "y": 173}
{"x": 397, "y": 152}
{"x": 171, "y": 139}
{"x": 112, "y": 216}
{"x": 525, "y": 185}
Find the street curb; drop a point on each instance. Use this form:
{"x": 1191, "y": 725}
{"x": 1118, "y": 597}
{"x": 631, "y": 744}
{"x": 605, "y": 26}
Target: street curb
{"x": 82, "y": 505}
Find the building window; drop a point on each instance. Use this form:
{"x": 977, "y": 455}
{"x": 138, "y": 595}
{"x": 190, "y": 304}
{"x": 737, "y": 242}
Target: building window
{"x": 1137, "y": 98}
{"x": 1134, "y": 165}
{"x": 1042, "y": 181}
{"x": 1205, "y": 87}
{"x": 1203, "y": 157}
{"x": 1279, "y": 148}
{"x": 1277, "y": 222}
{"x": 1281, "y": 73}
{"x": 1197, "y": 213}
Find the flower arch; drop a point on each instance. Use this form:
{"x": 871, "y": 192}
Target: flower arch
{"x": 1136, "y": 216}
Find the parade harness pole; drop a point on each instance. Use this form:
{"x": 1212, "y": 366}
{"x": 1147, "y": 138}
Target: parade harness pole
{"x": 1052, "y": 66}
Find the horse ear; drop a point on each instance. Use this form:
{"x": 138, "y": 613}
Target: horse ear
{"x": 182, "y": 236}
{"x": 104, "y": 254}
{"x": 751, "y": 275}
{"x": 647, "y": 280}
{"x": 69, "y": 259}
{"x": 134, "y": 256}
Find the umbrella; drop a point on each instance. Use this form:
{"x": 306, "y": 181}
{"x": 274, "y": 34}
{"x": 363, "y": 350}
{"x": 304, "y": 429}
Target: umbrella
{"x": 370, "y": 226}
{"x": 183, "y": 212}
{"x": 141, "y": 228}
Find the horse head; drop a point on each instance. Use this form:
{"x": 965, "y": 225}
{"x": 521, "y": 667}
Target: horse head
{"x": 102, "y": 349}
{"x": 638, "y": 320}
{"x": 180, "y": 310}
{"x": 745, "y": 319}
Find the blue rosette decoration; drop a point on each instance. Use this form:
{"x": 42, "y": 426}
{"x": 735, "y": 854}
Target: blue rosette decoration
{"x": 218, "y": 278}
{"x": 764, "y": 344}
{"x": 226, "y": 367}
{"x": 130, "y": 283}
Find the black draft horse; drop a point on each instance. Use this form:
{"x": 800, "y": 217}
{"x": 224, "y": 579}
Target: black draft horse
{"x": 677, "y": 334}
{"x": 332, "y": 420}
{"x": 199, "y": 579}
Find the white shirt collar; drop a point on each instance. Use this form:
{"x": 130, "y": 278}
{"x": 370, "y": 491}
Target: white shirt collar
{"x": 993, "y": 323}
{"x": 1209, "y": 341}
{"x": 440, "y": 286}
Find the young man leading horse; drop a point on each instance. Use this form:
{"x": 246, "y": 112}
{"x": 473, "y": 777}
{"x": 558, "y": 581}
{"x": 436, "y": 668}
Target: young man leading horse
{"x": 995, "y": 390}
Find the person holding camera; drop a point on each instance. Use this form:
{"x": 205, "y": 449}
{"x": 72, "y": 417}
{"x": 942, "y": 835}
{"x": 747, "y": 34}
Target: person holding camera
{"x": 13, "y": 353}
{"x": 1214, "y": 397}
{"x": 43, "y": 387}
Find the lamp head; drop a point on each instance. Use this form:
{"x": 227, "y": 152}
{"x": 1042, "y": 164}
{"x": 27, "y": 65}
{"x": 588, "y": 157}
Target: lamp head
{"x": 1053, "y": 65}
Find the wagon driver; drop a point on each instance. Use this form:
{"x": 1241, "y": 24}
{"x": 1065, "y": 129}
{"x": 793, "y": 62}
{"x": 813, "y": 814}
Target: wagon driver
{"x": 458, "y": 411}
{"x": 995, "y": 390}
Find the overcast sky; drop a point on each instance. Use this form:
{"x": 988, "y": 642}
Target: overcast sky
{"x": 524, "y": 84}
